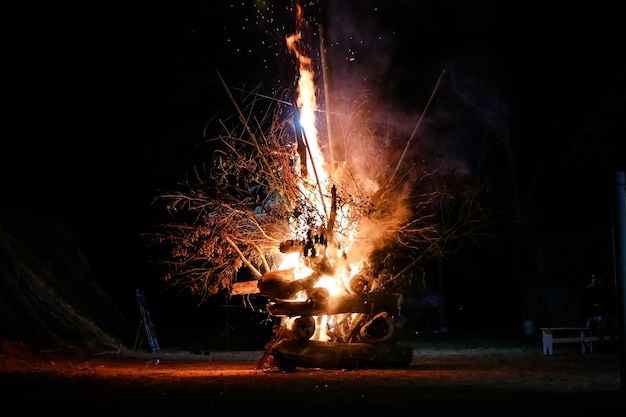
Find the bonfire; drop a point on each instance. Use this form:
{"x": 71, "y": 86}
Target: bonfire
{"x": 323, "y": 217}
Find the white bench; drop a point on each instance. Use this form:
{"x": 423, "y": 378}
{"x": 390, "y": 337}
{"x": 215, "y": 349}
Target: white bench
{"x": 582, "y": 335}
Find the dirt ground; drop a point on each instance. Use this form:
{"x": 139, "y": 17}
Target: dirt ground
{"x": 446, "y": 376}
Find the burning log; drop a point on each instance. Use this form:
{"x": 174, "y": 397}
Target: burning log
{"x": 360, "y": 284}
{"x": 291, "y": 353}
{"x": 281, "y": 285}
{"x": 318, "y": 295}
{"x": 245, "y": 287}
{"x": 302, "y": 328}
{"x": 372, "y": 303}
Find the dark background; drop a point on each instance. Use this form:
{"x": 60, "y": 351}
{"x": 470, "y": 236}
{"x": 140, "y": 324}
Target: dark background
{"x": 108, "y": 102}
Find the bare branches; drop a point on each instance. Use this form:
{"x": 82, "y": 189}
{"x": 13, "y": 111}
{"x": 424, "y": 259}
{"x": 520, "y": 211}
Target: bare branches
{"x": 419, "y": 121}
{"x": 250, "y": 197}
{"x": 238, "y": 208}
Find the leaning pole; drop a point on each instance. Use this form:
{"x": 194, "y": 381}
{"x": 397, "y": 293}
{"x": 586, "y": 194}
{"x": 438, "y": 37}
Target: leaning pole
{"x": 619, "y": 245}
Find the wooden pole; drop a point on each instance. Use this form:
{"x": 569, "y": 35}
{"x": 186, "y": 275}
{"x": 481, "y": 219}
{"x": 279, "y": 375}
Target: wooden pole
{"x": 326, "y": 105}
{"x": 419, "y": 121}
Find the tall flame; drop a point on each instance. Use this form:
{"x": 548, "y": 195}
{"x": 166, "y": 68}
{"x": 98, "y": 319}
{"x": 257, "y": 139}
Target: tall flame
{"x": 306, "y": 101}
{"x": 315, "y": 165}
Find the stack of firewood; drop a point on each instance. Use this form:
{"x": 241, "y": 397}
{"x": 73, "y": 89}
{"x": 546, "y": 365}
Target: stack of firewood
{"x": 364, "y": 337}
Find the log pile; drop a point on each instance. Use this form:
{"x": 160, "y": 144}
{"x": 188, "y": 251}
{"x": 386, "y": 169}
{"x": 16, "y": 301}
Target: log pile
{"x": 362, "y": 335}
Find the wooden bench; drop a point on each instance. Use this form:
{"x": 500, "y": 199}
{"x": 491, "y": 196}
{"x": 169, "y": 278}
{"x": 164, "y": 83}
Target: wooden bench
{"x": 582, "y": 335}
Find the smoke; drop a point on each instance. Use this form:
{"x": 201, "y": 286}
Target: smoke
{"x": 368, "y": 129}
{"x": 357, "y": 49}
{"x": 381, "y": 70}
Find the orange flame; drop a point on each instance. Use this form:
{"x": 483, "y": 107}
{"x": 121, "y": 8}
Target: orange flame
{"x": 307, "y": 106}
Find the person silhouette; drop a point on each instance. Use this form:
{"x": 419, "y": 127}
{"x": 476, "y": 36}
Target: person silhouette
{"x": 598, "y": 310}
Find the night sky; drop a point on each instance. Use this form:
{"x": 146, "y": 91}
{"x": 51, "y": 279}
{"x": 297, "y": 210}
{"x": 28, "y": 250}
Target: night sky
{"x": 109, "y": 100}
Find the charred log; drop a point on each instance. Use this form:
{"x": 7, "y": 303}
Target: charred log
{"x": 280, "y": 285}
{"x": 351, "y": 303}
{"x": 318, "y": 295}
{"x": 378, "y": 329}
{"x": 302, "y": 328}
{"x": 290, "y": 353}
{"x": 320, "y": 265}
{"x": 360, "y": 284}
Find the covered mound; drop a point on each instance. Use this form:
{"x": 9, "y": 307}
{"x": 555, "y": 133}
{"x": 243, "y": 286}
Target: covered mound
{"x": 49, "y": 295}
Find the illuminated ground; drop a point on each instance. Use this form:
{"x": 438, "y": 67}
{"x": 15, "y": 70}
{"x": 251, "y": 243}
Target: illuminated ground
{"x": 445, "y": 377}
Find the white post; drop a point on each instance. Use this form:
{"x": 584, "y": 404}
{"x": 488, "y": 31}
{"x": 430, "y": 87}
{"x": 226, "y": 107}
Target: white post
{"x": 619, "y": 237}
